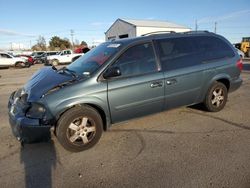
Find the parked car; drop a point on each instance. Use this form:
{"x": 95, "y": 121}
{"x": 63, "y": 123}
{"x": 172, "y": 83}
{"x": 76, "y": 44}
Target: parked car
{"x": 65, "y": 56}
{"x": 79, "y": 50}
{"x": 29, "y": 59}
{"x": 37, "y": 53}
{"x": 8, "y": 60}
{"x": 121, "y": 80}
{"x": 43, "y": 57}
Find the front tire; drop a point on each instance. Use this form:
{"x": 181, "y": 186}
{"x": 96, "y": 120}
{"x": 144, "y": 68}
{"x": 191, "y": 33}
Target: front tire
{"x": 79, "y": 128}
{"x": 216, "y": 97}
{"x": 55, "y": 62}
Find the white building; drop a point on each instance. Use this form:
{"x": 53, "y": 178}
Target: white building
{"x": 128, "y": 28}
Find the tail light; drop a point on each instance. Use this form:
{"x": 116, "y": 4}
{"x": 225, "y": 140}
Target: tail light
{"x": 239, "y": 64}
{"x": 30, "y": 59}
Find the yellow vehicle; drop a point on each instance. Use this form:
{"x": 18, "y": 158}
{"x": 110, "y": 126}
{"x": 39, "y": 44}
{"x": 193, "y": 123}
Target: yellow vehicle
{"x": 245, "y": 46}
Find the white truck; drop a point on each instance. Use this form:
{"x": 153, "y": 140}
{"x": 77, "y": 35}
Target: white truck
{"x": 8, "y": 60}
{"x": 65, "y": 56}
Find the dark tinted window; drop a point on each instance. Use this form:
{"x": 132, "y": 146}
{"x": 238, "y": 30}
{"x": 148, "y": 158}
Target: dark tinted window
{"x": 5, "y": 56}
{"x": 139, "y": 59}
{"x": 177, "y": 53}
{"x": 213, "y": 48}
{"x": 184, "y": 52}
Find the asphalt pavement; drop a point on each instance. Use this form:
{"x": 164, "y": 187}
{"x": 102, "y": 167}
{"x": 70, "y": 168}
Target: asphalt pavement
{"x": 184, "y": 147}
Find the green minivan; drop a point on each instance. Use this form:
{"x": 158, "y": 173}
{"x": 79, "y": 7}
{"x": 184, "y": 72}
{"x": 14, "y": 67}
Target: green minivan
{"x": 121, "y": 80}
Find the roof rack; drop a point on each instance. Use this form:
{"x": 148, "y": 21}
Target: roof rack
{"x": 199, "y": 31}
{"x": 156, "y": 32}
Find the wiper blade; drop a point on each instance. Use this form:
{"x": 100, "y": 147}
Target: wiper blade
{"x": 66, "y": 70}
{"x": 53, "y": 67}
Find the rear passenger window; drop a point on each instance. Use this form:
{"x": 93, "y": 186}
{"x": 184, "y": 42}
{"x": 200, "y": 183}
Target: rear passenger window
{"x": 139, "y": 59}
{"x": 177, "y": 53}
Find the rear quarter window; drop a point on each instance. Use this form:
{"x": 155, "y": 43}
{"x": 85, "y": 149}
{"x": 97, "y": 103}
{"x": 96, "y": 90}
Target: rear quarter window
{"x": 182, "y": 52}
{"x": 212, "y": 48}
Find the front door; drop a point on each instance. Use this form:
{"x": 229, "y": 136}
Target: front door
{"x": 66, "y": 56}
{"x": 140, "y": 88}
{"x": 6, "y": 60}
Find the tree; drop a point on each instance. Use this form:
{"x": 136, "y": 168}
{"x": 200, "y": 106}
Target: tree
{"x": 83, "y": 43}
{"x": 40, "y": 45}
{"x": 58, "y": 43}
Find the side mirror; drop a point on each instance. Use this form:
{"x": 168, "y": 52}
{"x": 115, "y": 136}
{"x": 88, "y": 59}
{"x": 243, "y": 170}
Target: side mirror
{"x": 112, "y": 72}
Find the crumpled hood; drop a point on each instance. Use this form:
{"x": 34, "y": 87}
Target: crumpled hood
{"x": 42, "y": 81}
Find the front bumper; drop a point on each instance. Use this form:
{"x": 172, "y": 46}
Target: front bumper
{"x": 25, "y": 129}
{"x": 28, "y": 130}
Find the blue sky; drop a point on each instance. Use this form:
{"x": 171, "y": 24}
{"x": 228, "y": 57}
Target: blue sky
{"x": 22, "y": 21}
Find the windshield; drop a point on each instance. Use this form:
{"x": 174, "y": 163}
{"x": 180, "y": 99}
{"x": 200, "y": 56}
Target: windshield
{"x": 94, "y": 59}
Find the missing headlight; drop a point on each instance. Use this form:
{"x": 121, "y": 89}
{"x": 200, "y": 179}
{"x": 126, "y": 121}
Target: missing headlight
{"x": 36, "y": 111}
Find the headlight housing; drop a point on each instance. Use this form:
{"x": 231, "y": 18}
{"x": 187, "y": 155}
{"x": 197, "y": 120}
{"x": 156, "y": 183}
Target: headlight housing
{"x": 36, "y": 111}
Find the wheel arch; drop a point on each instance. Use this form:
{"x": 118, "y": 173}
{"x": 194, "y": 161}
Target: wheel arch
{"x": 225, "y": 81}
{"x": 55, "y": 59}
{"x": 17, "y": 62}
{"x": 222, "y": 78}
{"x": 100, "y": 110}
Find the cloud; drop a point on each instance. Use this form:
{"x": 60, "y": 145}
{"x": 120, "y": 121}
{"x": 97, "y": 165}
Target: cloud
{"x": 14, "y": 33}
{"x": 230, "y": 16}
{"x": 150, "y": 18}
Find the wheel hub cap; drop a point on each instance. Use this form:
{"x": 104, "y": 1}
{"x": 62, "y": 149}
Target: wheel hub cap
{"x": 217, "y": 97}
{"x": 81, "y": 131}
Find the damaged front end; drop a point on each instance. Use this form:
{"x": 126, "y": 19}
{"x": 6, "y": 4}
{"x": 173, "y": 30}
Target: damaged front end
{"x": 29, "y": 121}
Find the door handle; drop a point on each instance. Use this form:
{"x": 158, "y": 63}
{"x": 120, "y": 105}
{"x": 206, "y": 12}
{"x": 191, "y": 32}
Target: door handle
{"x": 156, "y": 84}
{"x": 170, "y": 82}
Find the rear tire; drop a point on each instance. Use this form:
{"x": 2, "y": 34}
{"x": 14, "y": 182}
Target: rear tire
{"x": 216, "y": 97}
{"x": 79, "y": 128}
{"x": 27, "y": 64}
{"x": 20, "y": 64}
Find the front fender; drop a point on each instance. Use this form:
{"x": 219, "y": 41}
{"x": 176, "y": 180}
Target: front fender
{"x": 92, "y": 101}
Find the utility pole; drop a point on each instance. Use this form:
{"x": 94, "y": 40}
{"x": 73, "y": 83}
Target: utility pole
{"x": 72, "y": 38}
{"x": 215, "y": 27}
{"x": 196, "y": 25}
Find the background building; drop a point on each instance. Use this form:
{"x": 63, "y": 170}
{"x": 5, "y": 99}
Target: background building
{"x": 128, "y": 28}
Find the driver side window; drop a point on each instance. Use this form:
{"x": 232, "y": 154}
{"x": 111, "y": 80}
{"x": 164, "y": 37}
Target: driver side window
{"x": 139, "y": 59}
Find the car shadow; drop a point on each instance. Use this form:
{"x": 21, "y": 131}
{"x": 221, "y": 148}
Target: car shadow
{"x": 39, "y": 160}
